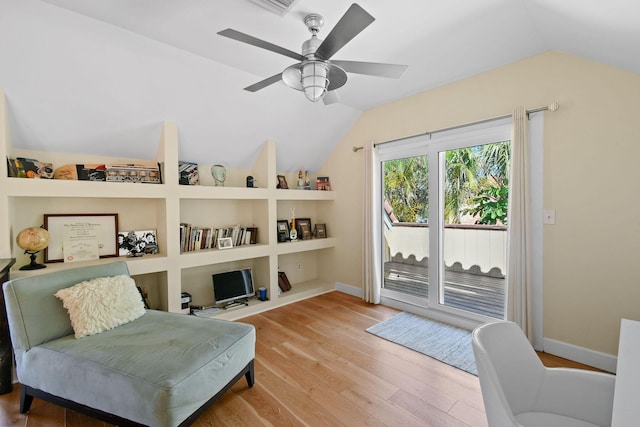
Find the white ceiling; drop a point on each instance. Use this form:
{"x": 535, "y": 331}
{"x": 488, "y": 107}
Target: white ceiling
{"x": 100, "y": 76}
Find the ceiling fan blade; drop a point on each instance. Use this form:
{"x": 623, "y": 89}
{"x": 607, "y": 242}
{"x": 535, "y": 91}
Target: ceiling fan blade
{"x": 331, "y": 97}
{"x": 246, "y": 38}
{"x": 264, "y": 83}
{"x": 350, "y": 25}
{"x": 392, "y": 71}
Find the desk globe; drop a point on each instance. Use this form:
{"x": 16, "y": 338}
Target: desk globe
{"x": 33, "y": 240}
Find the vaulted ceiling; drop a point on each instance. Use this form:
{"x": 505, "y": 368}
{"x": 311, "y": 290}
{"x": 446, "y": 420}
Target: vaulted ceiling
{"x": 100, "y": 76}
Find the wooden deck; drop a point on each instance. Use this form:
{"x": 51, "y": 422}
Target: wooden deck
{"x": 481, "y": 294}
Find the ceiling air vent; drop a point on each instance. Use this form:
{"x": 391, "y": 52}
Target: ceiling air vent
{"x": 279, "y": 7}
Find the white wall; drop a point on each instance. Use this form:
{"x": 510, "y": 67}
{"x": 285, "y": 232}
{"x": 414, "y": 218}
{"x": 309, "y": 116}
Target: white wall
{"x": 590, "y": 178}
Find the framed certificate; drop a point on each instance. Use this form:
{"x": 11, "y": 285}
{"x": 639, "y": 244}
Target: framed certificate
{"x": 65, "y": 230}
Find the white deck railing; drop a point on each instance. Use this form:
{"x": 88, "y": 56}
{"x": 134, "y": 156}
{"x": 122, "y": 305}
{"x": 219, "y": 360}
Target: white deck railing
{"x": 481, "y": 245}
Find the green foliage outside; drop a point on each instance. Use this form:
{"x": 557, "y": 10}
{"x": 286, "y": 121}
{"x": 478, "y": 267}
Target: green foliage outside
{"x": 476, "y": 183}
{"x": 407, "y": 188}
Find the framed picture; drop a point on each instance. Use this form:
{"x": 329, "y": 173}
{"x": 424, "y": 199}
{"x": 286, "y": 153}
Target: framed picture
{"x": 302, "y": 225}
{"x": 320, "y": 231}
{"x": 188, "y": 173}
{"x": 283, "y": 230}
{"x": 282, "y": 182}
{"x": 137, "y": 243}
{"x": 305, "y": 231}
{"x": 225, "y": 243}
{"x": 283, "y": 282}
{"x": 71, "y": 235}
{"x": 322, "y": 183}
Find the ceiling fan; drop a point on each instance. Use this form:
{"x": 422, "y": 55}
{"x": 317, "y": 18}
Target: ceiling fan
{"x": 316, "y": 74}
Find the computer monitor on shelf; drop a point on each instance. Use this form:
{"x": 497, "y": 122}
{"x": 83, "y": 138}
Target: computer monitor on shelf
{"x": 233, "y": 286}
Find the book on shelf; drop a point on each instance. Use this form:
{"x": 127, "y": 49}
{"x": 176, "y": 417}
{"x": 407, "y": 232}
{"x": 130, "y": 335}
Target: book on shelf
{"x": 196, "y": 238}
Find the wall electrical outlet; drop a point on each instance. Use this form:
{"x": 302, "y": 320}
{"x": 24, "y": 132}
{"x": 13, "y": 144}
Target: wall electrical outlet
{"x": 299, "y": 267}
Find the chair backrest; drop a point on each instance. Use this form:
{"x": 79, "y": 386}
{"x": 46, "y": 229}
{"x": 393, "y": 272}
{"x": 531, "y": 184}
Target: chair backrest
{"x": 35, "y": 315}
{"x": 509, "y": 370}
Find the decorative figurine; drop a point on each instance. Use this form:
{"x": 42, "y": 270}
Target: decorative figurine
{"x": 307, "y": 181}
{"x": 300, "y": 180}
{"x": 293, "y": 234}
{"x": 219, "y": 174}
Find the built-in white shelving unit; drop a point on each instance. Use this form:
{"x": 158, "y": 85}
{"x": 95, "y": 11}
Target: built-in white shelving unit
{"x": 162, "y": 207}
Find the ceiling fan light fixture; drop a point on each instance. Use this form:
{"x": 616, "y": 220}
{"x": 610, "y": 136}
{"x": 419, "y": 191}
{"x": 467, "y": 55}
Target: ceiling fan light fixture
{"x": 315, "y": 73}
{"x": 314, "y": 79}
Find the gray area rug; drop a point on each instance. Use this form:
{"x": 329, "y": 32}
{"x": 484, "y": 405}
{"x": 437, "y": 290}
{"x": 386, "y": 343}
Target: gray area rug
{"x": 443, "y": 342}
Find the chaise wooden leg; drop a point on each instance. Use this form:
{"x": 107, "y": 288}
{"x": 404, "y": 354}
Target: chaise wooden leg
{"x": 25, "y": 400}
{"x": 250, "y": 376}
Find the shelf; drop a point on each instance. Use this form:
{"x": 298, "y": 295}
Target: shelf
{"x": 305, "y": 245}
{"x": 216, "y": 256}
{"x": 229, "y": 193}
{"x": 25, "y": 187}
{"x": 304, "y": 195}
{"x": 298, "y": 292}
{"x": 255, "y": 306}
{"x": 303, "y": 290}
{"x": 143, "y": 265}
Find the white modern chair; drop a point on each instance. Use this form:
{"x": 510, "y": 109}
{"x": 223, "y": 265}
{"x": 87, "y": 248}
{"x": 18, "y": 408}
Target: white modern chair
{"x": 518, "y": 390}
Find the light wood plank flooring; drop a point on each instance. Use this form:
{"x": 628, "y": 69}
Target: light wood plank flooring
{"x": 316, "y": 366}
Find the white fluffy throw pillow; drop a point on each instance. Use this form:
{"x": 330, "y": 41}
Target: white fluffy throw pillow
{"x": 101, "y": 304}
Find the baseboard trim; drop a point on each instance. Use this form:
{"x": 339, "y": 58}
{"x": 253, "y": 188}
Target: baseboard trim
{"x": 604, "y": 361}
{"x": 348, "y": 289}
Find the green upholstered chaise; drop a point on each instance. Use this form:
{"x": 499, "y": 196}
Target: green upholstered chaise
{"x": 162, "y": 369}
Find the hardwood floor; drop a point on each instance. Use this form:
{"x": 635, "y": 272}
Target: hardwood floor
{"x": 316, "y": 366}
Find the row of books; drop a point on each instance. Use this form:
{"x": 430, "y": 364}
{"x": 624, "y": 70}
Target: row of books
{"x": 193, "y": 238}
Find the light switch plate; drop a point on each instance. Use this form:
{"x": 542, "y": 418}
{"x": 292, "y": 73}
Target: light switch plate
{"x": 549, "y": 216}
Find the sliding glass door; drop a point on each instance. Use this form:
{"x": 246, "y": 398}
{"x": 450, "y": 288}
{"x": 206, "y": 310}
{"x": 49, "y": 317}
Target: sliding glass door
{"x": 444, "y": 218}
{"x": 405, "y": 228}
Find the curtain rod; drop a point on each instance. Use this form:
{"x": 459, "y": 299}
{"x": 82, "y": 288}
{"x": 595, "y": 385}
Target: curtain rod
{"x": 551, "y": 107}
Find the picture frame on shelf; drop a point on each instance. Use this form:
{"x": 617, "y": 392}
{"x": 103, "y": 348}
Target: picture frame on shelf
{"x": 70, "y": 233}
{"x": 225, "y": 243}
{"x": 283, "y": 282}
{"x": 137, "y": 243}
{"x": 320, "y": 231}
{"x": 283, "y": 230}
{"x": 323, "y": 184}
{"x": 305, "y": 231}
{"x": 282, "y": 182}
{"x": 188, "y": 173}
{"x": 303, "y": 227}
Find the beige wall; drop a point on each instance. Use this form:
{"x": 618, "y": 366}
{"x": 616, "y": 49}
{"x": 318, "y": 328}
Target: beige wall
{"x": 591, "y": 176}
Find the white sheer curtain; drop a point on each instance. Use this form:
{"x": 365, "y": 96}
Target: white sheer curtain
{"x": 519, "y": 282}
{"x": 371, "y": 216}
